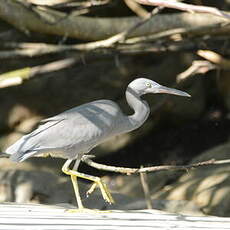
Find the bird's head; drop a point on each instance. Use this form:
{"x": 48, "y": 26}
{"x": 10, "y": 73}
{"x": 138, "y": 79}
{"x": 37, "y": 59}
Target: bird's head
{"x": 143, "y": 86}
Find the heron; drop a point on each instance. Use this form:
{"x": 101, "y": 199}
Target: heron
{"x": 77, "y": 131}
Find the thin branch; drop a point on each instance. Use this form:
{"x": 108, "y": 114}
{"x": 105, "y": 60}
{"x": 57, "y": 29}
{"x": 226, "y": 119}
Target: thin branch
{"x": 33, "y": 50}
{"x": 78, "y": 4}
{"x": 197, "y": 67}
{"x": 17, "y": 77}
{"x": 185, "y": 7}
{"x": 128, "y": 171}
{"x": 40, "y": 48}
{"x": 215, "y": 58}
{"x": 37, "y": 49}
{"x": 193, "y": 31}
{"x": 137, "y": 8}
{"x": 128, "y": 46}
{"x": 48, "y": 2}
{"x": 146, "y": 190}
{"x": 87, "y": 159}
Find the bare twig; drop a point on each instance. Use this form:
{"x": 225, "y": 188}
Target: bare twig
{"x": 129, "y": 171}
{"x": 215, "y": 58}
{"x": 105, "y": 46}
{"x": 35, "y": 49}
{"x": 78, "y": 4}
{"x": 17, "y": 77}
{"x": 137, "y": 8}
{"x": 87, "y": 159}
{"x": 48, "y": 2}
{"x": 199, "y": 30}
{"x": 38, "y": 49}
{"x": 145, "y": 186}
{"x": 80, "y": 8}
{"x": 185, "y": 7}
{"x": 197, "y": 67}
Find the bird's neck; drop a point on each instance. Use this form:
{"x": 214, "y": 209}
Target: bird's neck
{"x": 140, "y": 107}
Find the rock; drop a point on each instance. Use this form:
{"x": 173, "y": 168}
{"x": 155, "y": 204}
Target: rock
{"x": 18, "y": 114}
{"x": 31, "y": 186}
{"x": 208, "y": 187}
{"x": 51, "y": 165}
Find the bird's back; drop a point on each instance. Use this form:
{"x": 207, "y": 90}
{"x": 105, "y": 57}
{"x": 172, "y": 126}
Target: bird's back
{"x": 72, "y": 132}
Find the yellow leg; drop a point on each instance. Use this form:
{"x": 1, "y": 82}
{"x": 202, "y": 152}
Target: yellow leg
{"x": 74, "y": 174}
{"x": 76, "y": 190}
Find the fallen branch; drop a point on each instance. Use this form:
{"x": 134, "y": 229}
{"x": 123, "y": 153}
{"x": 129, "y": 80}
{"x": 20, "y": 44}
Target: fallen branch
{"x": 128, "y": 171}
{"x": 37, "y": 49}
{"x": 80, "y": 27}
{"x": 185, "y": 7}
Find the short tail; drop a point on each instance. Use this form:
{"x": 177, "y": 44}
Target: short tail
{"x": 19, "y": 151}
{"x": 19, "y": 157}
{"x": 4, "y": 155}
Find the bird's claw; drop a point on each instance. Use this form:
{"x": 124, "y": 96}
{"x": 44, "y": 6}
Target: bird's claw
{"x": 86, "y": 210}
{"x": 92, "y": 188}
{"x": 104, "y": 191}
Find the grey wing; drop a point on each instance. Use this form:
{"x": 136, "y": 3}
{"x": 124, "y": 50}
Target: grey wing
{"x": 67, "y": 132}
{"x": 57, "y": 134}
{"x": 74, "y": 131}
{"x": 83, "y": 127}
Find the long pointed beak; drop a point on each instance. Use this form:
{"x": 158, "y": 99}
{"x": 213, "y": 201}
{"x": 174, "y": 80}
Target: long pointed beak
{"x": 164, "y": 89}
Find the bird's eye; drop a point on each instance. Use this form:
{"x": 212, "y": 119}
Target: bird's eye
{"x": 148, "y": 84}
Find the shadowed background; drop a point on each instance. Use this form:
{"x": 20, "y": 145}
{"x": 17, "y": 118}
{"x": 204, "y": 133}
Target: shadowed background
{"x": 177, "y": 131}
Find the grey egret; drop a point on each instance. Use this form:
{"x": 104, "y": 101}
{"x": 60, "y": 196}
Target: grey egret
{"x": 77, "y": 131}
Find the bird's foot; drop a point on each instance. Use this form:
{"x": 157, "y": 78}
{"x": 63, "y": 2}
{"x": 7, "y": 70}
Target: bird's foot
{"x": 87, "y": 210}
{"x": 104, "y": 190}
{"x": 97, "y": 182}
{"x": 92, "y": 188}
